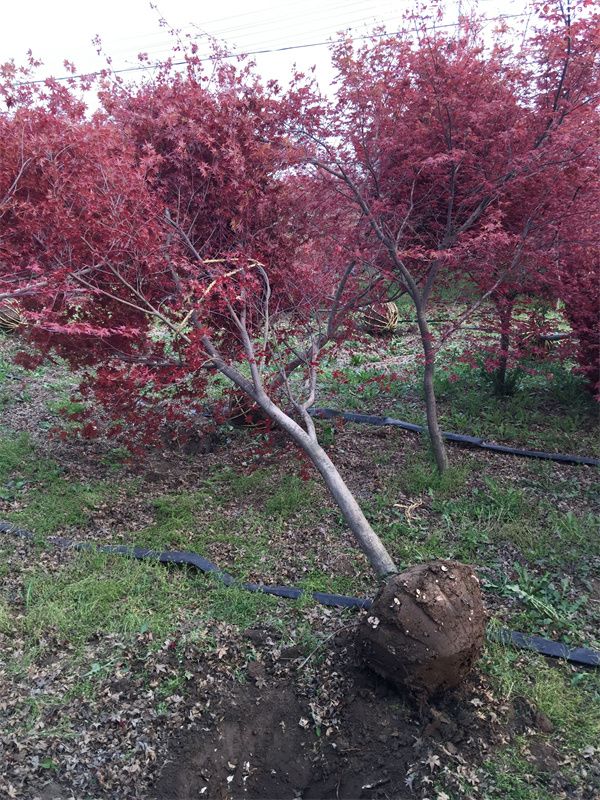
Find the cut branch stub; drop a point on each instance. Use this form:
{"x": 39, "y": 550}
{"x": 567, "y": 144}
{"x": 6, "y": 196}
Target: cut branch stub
{"x": 425, "y": 629}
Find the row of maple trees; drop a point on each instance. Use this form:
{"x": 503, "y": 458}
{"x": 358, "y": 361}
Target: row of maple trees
{"x": 202, "y": 220}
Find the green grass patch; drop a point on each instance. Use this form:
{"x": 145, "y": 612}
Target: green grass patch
{"x": 19, "y": 461}
{"x": 292, "y": 496}
{"x": 225, "y": 510}
{"x": 98, "y": 593}
{"x": 7, "y": 622}
{"x": 570, "y": 699}
{"x": 420, "y": 475}
{"x": 239, "y": 607}
{"x": 510, "y": 775}
{"x": 549, "y": 411}
{"x": 50, "y": 501}
{"x": 60, "y": 506}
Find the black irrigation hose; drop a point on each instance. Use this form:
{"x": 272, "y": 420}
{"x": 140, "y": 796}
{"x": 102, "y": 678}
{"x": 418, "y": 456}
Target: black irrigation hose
{"x": 522, "y": 641}
{"x": 472, "y": 441}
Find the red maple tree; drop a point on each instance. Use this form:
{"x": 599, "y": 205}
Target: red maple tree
{"x": 167, "y": 238}
{"x": 446, "y": 147}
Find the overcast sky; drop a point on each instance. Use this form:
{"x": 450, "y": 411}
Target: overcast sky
{"x": 63, "y": 29}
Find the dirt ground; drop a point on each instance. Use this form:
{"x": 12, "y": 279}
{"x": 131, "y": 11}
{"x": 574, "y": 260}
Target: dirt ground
{"x": 213, "y": 709}
{"x": 261, "y": 740}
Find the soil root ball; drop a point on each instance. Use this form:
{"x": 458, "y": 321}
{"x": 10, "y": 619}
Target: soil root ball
{"x": 426, "y": 627}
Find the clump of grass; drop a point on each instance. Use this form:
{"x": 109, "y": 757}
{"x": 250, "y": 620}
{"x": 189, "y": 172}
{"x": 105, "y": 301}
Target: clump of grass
{"x": 292, "y": 496}
{"x": 421, "y": 476}
{"x": 509, "y": 776}
{"x": 18, "y": 460}
{"x": 60, "y": 505}
{"x": 237, "y": 606}
{"x": 494, "y": 504}
{"x": 570, "y": 703}
{"x": 259, "y": 481}
{"x": 176, "y": 512}
{"x": 51, "y": 500}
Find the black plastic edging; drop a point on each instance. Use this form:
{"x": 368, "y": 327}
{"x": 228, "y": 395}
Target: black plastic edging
{"x": 522, "y": 641}
{"x": 473, "y": 441}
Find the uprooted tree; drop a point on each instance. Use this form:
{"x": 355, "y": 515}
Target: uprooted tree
{"x": 157, "y": 243}
{"x": 170, "y": 237}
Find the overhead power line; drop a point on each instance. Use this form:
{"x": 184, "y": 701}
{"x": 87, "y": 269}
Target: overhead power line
{"x": 259, "y": 25}
{"x": 258, "y": 52}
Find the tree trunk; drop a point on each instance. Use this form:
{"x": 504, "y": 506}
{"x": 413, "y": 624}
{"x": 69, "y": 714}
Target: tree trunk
{"x": 433, "y": 426}
{"x": 500, "y": 376}
{"x": 505, "y": 309}
{"x": 365, "y": 536}
{"x": 360, "y": 527}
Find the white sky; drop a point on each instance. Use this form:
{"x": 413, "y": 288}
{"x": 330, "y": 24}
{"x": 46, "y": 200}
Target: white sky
{"x": 63, "y": 29}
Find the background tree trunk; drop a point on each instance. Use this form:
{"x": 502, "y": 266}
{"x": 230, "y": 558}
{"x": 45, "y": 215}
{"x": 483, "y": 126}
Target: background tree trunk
{"x": 433, "y": 426}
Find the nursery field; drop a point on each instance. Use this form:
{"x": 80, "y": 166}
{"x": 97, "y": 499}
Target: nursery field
{"x": 123, "y": 679}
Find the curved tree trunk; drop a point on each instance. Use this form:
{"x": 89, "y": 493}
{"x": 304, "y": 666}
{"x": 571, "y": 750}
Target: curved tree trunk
{"x": 365, "y": 536}
{"x": 433, "y": 426}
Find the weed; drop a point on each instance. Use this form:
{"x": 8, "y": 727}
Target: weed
{"x": 472, "y": 538}
{"x": 548, "y": 602}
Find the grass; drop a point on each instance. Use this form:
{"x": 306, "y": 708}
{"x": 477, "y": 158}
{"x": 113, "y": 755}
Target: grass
{"x": 99, "y": 594}
{"x": 51, "y": 500}
{"x": 569, "y": 704}
{"x": 512, "y": 528}
{"x": 530, "y": 525}
{"x": 567, "y": 698}
{"x": 549, "y": 409}
{"x": 233, "y": 516}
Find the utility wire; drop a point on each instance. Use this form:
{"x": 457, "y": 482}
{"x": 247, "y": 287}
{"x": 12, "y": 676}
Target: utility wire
{"x": 245, "y": 53}
{"x": 206, "y": 29}
{"x": 240, "y": 45}
{"x": 269, "y": 35}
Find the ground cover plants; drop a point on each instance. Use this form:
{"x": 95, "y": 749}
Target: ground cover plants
{"x": 108, "y": 641}
{"x": 185, "y": 275}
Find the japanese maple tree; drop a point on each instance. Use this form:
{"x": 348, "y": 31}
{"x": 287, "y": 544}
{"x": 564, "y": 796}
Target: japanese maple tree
{"x": 435, "y": 136}
{"x": 167, "y": 238}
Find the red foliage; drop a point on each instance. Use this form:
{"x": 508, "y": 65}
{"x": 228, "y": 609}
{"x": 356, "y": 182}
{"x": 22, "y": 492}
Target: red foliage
{"x": 134, "y": 237}
{"x": 463, "y": 160}
{"x": 185, "y": 216}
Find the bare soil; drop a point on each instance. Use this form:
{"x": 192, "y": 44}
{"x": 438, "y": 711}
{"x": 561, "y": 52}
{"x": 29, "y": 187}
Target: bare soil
{"x": 261, "y": 740}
